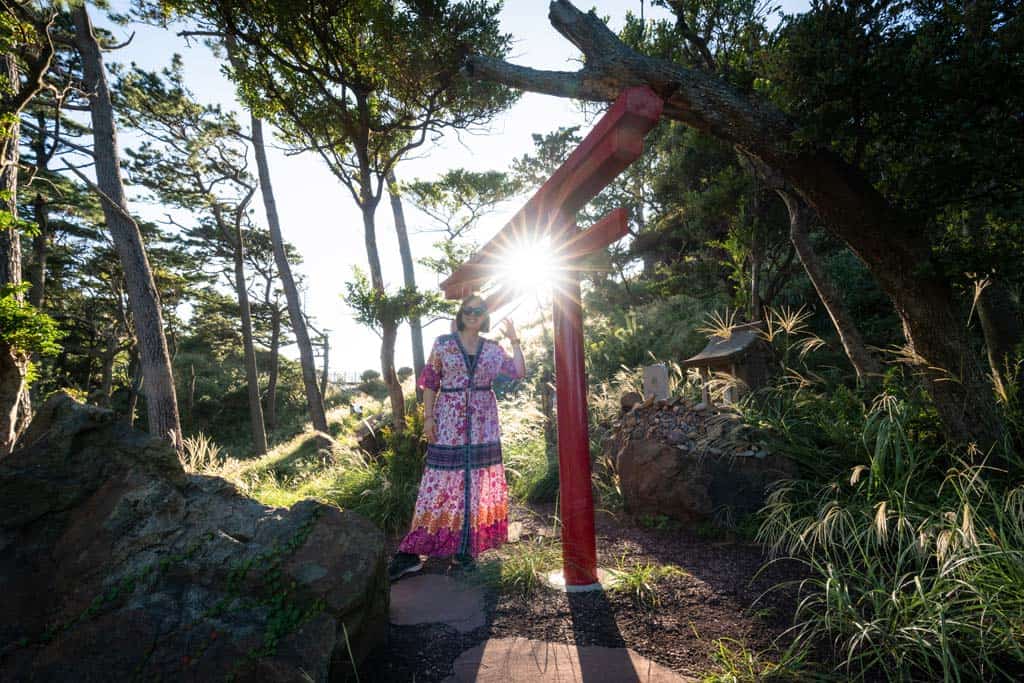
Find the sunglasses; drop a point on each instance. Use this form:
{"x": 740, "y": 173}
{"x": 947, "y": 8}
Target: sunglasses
{"x": 474, "y": 310}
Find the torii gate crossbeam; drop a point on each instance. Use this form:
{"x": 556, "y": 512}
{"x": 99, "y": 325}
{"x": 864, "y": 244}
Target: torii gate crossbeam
{"x": 612, "y": 145}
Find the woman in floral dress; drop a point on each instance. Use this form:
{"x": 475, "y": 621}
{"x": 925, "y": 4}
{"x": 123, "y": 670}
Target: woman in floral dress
{"x": 462, "y": 506}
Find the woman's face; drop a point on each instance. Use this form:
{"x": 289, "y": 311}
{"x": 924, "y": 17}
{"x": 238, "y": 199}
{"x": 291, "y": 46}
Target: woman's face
{"x": 473, "y": 314}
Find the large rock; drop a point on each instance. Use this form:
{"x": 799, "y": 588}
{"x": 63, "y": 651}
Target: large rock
{"x": 116, "y": 564}
{"x": 691, "y": 462}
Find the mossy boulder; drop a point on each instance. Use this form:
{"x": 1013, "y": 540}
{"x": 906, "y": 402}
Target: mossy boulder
{"x": 116, "y": 564}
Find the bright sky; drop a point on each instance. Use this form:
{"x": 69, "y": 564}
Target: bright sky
{"x": 318, "y": 214}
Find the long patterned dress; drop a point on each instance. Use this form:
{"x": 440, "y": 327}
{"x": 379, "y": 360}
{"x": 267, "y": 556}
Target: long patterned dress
{"x": 462, "y": 504}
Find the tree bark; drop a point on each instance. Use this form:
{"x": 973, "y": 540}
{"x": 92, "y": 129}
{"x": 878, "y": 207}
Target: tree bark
{"x": 892, "y": 245}
{"x": 415, "y": 327}
{"x": 1001, "y": 325}
{"x": 190, "y": 403}
{"x": 107, "y": 383}
{"x": 135, "y": 369}
{"x": 326, "y": 367}
{"x": 161, "y": 403}
{"x": 13, "y": 362}
{"x": 252, "y": 375}
{"x": 40, "y": 248}
{"x": 314, "y": 399}
{"x": 275, "y": 343}
{"x": 387, "y": 364}
{"x": 389, "y": 330}
{"x": 864, "y": 363}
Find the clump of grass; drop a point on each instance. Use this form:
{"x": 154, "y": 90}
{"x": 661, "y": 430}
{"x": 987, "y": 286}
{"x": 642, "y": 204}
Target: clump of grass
{"x": 639, "y": 581}
{"x": 737, "y": 663}
{"x": 522, "y": 566}
{"x": 659, "y": 522}
{"x": 530, "y": 467}
{"x": 200, "y": 454}
{"x": 915, "y": 551}
{"x": 382, "y": 488}
{"x": 607, "y": 484}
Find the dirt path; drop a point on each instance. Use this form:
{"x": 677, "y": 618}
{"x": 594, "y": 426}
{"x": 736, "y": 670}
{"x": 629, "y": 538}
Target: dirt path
{"x": 713, "y": 598}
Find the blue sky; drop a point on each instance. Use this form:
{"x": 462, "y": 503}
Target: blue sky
{"x": 318, "y": 214}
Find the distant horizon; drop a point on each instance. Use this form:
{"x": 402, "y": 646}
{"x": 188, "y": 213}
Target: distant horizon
{"x": 313, "y": 204}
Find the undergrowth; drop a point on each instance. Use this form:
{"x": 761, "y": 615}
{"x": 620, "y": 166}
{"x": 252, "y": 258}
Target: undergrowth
{"x": 913, "y": 549}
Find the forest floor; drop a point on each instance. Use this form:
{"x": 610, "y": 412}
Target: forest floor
{"x": 711, "y": 614}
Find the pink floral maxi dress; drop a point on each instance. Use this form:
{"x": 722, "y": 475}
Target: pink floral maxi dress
{"x": 462, "y": 504}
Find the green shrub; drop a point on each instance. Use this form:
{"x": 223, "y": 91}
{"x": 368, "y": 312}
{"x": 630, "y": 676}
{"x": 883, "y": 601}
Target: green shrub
{"x": 383, "y": 488}
{"x": 916, "y": 566}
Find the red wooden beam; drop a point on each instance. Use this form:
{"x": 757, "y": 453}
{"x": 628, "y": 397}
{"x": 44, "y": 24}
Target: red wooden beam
{"x": 613, "y": 144}
{"x": 612, "y": 227}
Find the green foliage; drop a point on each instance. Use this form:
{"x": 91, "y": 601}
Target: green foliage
{"x": 523, "y": 566}
{"x": 617, "y": 338}
{"x": 739, "y": 664}
{"x": 530, "y": 467}
{"x": 386, "y": 72}
{"x": 377, "y": 309}
{"x": 383, "y": 488}
{"x": 455, "y": 203}
{"x": 200, "y": 453}
{"x": 921, "y": 96}
{"x": 913, "y": 551}
{"x": 23, "y": 327}
{"x": 639, "y": 581}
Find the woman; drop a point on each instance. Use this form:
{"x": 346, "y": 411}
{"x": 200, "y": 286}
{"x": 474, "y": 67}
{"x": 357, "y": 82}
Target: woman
{"x": 462, "y": 506}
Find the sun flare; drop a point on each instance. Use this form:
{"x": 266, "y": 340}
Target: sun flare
{"x": 531, "y": 268}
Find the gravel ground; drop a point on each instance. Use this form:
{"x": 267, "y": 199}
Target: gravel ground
{"x": 713, "y": 599}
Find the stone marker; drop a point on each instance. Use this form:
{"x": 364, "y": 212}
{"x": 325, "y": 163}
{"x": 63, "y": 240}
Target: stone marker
{"x": 521, "y": 660}
{"x": 656, "y": 381}
{"x": 437, "y": 599}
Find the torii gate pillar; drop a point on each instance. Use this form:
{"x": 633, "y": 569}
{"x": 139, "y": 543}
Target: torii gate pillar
{"x": 579, "y": 550}
{"x": 612, "y": 145}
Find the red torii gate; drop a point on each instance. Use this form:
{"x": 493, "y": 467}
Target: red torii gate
{"x": 613, "y": 144}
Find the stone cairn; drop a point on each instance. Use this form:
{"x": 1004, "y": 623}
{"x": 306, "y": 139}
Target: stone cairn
{"x": 688, "y": 426}
{"x": 690, "y": 461}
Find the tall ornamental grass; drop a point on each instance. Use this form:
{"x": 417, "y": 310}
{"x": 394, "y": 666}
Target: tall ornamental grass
{"x": 914, "y": 553}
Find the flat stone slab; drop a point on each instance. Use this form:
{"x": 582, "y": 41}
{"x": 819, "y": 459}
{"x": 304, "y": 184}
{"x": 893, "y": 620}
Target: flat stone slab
{"x": 521, "y": 660}
{"x": 437, "y": 599}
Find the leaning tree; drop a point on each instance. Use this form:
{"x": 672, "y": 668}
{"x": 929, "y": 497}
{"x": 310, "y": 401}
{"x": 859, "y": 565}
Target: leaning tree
{"x": 890, "y": 241}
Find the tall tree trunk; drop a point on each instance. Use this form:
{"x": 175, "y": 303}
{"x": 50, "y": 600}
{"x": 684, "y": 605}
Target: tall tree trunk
{"x": 190, "y": 403}
{"x": 40, "y": 248}
{"x": 326, "y": 366}
{"x": 389, "y": 330}
{"x": 892, "y": 245}
{"x": 758, "y": 216}
{"x": 275, "y": 343}
{"x": 107, "y": 383}
{"x": 135, "y": 370}
{"x": 387, "y": 364}
{"x": 864, "y": 363}
{"x": 13, "y": 361}
{"x": 415, "y": 327}
{"x": 314, "y": 399}
{"x": 252, "y": 375}
{"x": 161, "y": 403}
{"x": 40, "y": 243}
{"x": 1000, "y": 319}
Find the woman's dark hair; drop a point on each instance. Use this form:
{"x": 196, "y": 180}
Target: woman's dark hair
{"x": 485, "y": 326}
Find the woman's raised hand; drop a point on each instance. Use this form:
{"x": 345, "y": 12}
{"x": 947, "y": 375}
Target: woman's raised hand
{"x": 509, "y": 330}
